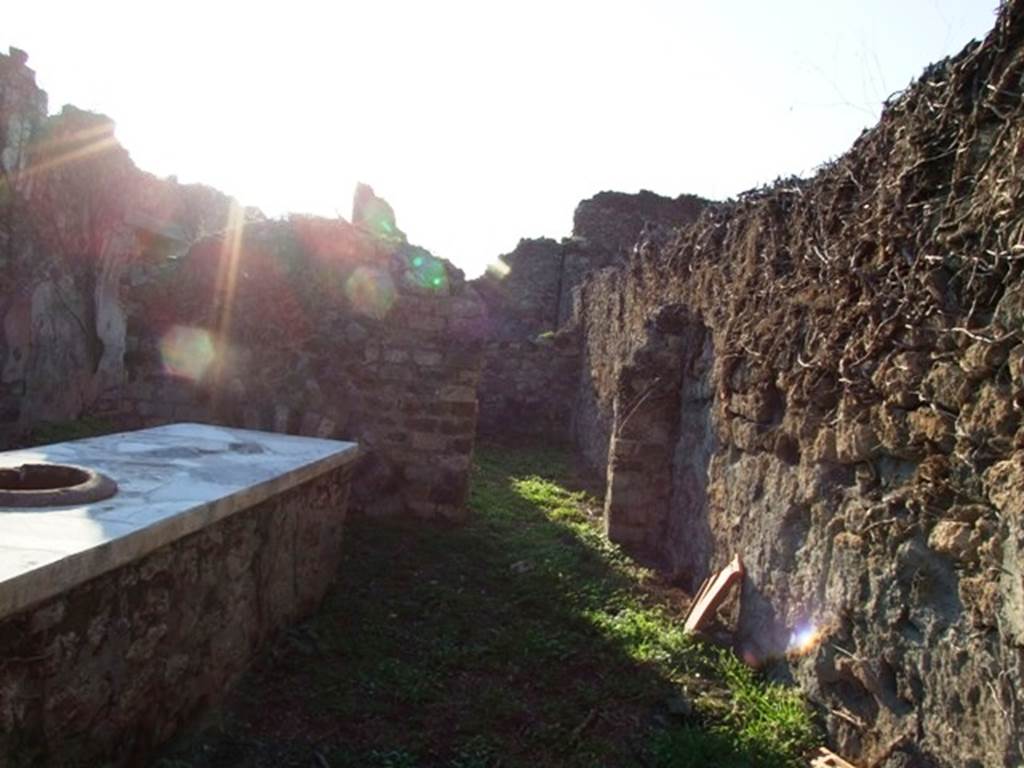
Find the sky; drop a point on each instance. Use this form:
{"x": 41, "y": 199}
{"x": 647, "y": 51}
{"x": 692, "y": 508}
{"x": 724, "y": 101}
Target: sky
{"x": 484, "y": 122}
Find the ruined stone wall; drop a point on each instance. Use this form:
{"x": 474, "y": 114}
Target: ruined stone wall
{"x": 523, "y": 294}
{"x": 106, "y": 672}
{"x": 605, "y": 342}
{"x": 144, "y": 301}
{"x": 316, "y": 327}
{"x": 825, "y": 376}
{"x": 614, "y": 221}
{"x": 538, "y": 291}
{"x": 23, "y": 107}
{"x": 529, "y": 372}
{"x": 528, "y": 387}
{"x": 77, "y": 219}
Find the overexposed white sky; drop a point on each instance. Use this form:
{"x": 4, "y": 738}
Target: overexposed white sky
{"x": 483, "y": 122}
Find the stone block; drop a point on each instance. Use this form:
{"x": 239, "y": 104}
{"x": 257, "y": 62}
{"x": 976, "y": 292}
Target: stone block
{"x": 982, "y": 358}
{"x": 947, "y": 385}
{"x": 950, "y": 537}
{"x": 759, "y": 406}
{"x": 898, "y": 377}
{"x": 855, "y": 442}
{"x": 428, "y": 441}
{"x": 427, "y": 357}
{"x": 453, "y": 427}
{"x": 424, "y": 424}
{"x": 1015, "y": 359}
{"x": 1009, "y": 312}
{"x": 457, "y": 394}
{"x": 989, "y": 414}
{"x": 932, "y": 427}
{"x": 892, "y": 426}
{"x": 428, "y": 324}
{"x": 746, "y": 435}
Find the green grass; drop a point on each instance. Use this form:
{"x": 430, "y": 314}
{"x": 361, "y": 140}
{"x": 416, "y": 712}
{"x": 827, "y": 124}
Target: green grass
{"x": 521, "y": 638}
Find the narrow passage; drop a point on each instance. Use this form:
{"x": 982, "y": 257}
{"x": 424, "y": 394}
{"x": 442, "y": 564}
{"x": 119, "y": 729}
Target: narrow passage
{"x": 521, "y": 638}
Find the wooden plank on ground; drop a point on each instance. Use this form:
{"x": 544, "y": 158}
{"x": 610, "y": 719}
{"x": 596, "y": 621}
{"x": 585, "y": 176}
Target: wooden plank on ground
{"x": 712, "y": 594}
{"x": 826, "y": 758}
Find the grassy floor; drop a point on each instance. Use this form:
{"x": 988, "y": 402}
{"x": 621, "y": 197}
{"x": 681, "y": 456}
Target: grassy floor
{"x": 519, "y": 639}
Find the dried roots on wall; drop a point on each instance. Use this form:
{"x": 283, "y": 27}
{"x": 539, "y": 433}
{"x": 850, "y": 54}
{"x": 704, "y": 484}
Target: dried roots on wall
{"x": 827, "y": 376}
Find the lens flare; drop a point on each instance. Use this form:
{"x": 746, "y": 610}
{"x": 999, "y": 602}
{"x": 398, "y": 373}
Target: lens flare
{"x": 370, "y": 291}
{"x": 804, "y": 638}
{"x": 228, "y": 267}
{"x": 498, "y": 269}
{"x": 83, "y": 143}
{"x": 426, "y": 272}
{"x": 380, "y": 219}
{"x": 187, "y": 352}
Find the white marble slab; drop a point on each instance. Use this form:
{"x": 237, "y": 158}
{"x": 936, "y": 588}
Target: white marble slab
{"x": 172, "y": 481}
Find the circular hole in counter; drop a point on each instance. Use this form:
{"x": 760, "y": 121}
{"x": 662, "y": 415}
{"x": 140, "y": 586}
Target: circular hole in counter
{"x": 52, "y": 485}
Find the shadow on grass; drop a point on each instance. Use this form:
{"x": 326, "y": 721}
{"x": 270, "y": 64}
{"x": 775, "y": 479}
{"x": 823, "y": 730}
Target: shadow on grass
{"x": 520, "y": 638}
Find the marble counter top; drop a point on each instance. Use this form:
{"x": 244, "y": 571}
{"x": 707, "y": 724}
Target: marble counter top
{"x": 172, "y": 481}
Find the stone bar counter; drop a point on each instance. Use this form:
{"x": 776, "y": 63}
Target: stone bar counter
{"x": 122, "y": 618}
